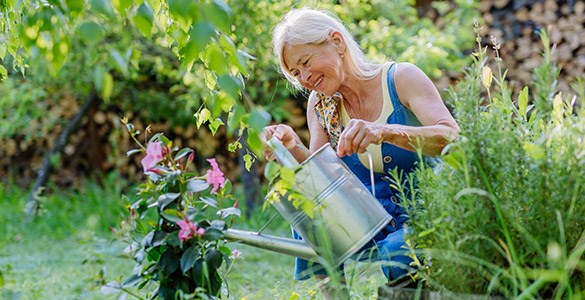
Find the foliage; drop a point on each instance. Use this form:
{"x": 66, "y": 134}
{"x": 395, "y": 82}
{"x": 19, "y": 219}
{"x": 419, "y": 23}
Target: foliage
{"x": 503, "y": 214}
{"x": 182, "y": 249}
{"x": 101, "y": 36}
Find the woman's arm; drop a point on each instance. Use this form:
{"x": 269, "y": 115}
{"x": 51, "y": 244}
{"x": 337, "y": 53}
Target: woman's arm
{"x": 418, "y": 94}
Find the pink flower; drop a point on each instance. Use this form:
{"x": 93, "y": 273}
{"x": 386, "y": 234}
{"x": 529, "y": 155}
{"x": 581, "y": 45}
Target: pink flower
{"x": 236, "y": 253}
{"x": 201, "y": 231}
{"x": 154, "y": 154}
{"x": 215, "y": 175}
{"x": 188, "y": 229}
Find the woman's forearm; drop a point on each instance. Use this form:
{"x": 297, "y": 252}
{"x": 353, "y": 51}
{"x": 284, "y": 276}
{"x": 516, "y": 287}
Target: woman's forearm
{"x": 430, "y": 139}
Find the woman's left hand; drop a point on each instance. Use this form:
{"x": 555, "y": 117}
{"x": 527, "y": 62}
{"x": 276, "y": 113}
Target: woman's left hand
{"x": 358, "y": 135}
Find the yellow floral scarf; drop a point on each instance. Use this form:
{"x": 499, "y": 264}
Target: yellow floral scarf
{"x": 327, "y": 110}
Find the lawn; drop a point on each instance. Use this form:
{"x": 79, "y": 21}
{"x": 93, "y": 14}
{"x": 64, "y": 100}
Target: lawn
{"x": 69, "y": 252}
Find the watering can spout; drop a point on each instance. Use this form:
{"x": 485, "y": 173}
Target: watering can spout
{"x": 273, "y": 243}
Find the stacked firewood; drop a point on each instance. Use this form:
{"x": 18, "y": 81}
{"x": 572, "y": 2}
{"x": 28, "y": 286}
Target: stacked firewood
{"x": 515, "y": 25}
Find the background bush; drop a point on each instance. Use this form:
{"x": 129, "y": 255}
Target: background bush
{"x": 503, "y": 214}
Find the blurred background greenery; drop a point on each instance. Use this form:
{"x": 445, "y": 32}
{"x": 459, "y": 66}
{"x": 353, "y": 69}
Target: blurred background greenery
{"x": 131, "y": 62}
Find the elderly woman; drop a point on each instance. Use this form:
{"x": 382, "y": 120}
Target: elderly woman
{"x": 389, "y": 109}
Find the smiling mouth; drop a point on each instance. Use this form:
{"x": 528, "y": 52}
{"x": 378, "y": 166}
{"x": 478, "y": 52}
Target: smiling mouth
{"x": 318, "y": 82}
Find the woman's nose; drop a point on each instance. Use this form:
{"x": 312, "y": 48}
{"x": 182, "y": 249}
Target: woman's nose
{"x": 306, "y": 76}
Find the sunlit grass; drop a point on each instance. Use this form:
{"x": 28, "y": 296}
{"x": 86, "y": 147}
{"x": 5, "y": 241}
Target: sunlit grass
{"x": 69, "y": 252}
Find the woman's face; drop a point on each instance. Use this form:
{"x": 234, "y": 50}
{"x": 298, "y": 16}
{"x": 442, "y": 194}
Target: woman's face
{"x": 317, "y": 67}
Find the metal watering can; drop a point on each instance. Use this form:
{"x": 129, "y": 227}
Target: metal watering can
{"x": 346, "y": 215}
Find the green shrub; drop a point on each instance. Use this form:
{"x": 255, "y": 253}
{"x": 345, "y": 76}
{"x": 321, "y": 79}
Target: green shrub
{"x": 504, "y": 213}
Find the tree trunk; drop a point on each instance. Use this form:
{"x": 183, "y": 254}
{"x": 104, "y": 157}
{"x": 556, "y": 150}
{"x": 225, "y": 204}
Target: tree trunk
{"x": 33, "y": 205}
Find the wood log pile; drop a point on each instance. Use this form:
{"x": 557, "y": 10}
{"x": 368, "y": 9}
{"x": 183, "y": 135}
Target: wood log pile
{"x": 515, "y": 25}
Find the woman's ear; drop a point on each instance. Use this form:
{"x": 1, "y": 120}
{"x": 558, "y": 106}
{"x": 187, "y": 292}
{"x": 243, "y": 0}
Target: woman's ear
{"x": 337, "y": 41}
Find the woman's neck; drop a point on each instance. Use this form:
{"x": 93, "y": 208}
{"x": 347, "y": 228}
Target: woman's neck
{"x": 362, "y": 98}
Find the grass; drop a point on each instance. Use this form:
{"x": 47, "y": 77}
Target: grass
{"x": 69, "y": 252}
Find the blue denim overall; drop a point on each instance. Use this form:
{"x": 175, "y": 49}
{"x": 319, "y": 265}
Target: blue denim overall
{"x": 390, "y": 240}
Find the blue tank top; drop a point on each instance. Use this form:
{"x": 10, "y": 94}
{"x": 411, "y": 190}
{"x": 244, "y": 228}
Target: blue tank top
{"x": 403, "y": 160}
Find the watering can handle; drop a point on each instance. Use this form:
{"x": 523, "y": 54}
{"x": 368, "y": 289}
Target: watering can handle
{"x": 283, "y": 156}
{"x": 371, "y": 173}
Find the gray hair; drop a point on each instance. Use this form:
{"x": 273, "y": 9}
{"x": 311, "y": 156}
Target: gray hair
{"x": 310, "y": 26}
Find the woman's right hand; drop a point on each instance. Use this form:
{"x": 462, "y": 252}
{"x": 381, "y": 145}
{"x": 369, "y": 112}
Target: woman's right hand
{"x": 284, "y": 133}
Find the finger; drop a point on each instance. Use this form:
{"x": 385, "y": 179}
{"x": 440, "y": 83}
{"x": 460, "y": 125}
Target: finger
{"x": 360, "y": 141}
{"x": 267, "y": 133}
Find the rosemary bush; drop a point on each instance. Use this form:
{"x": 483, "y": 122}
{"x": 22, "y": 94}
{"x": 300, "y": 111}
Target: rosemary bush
{"x": 504, "y": 213}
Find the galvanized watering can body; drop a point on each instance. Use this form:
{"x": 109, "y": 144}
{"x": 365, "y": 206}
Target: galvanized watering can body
{"x": 346, "y": 215}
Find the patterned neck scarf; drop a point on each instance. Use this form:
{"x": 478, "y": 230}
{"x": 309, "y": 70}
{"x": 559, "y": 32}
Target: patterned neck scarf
{"x": 327, "y": 110}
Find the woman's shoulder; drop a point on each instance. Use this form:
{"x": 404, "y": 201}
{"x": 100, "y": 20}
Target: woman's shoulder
{"x": 406, "y": 69}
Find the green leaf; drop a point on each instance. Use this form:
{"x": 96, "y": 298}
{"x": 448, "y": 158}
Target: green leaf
{"x": 107, "y": 86}
{"x": 202, "y": 33}
{"x": 215, "y": 60}
{"x": 287, "y": 175}
{"x": 254, "y": 142}
{"x": 133, "y": 151}
{"x": 3, "y": 73}
{"x": 196, "y": 185}
{"x": 182, "y": 11}
{"x": 230, "y": 85}
{"x": 172, "y": 215}
{"x": 158, "y": 238}
{"x": 75, "y": 6}
{"x": 258, "y": 119}
{"x": 235, "y": 118}
{"x": 523, "y": 102}
{"x": 90, "y": 33}
{"x": 122, "y": 5}
{"x": 234, "y": 146}
{"x": 103, "y": 7}
{"x": 212, "y": 234}
{"x": 271, "y": 170}
{"x": 3, "y": 50}
{"x": 183, "y": 152}
{"x": 188, "y": 258}
{"x": 165, "y": 199}
{"x": 98, "y": 81}
{"x": 131, "y": 281}
{"x": 144, "y": 18}
{"x": 121, "y": 62}
{"x": 213, "y": 258}
{"x": 248, "y": 161}
{"x": 209, "y": 201}
{"x": 202, "y": 117}
{"x": 169, "y": 262}
{"x": 214, "y": 125}
{"x": 218, "y": 12}
{"x": 229, "y": 211}
{"x": 219, "y": 224}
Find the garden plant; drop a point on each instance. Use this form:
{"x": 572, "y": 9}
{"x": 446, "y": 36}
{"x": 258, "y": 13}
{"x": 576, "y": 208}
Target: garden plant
{"x": 503, "y": 215}
{"x": 181, "y": 250}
